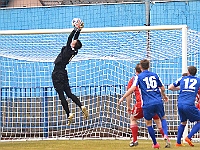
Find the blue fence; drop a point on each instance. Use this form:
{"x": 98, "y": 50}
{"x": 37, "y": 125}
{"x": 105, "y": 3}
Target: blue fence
{"x": 108, "y": 15}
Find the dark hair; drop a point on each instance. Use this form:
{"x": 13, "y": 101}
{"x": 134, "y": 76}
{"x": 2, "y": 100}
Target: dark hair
{"x": 78, "y": 44}
{"x": 192, "y": 70}
{"x": 137, "y": 68}
{"x": 185, "y": 74}
{"x": 144, "y": 64}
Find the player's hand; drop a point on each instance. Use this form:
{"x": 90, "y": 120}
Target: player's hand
{"x": 129, "y": 110}
{"x": 79, "y": 24}
{"x": 165, "y": 98}
{"x": 120, "y": 100}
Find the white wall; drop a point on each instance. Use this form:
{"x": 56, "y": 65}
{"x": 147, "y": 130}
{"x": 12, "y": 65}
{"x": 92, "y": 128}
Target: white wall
{"x": 24, "y": 3}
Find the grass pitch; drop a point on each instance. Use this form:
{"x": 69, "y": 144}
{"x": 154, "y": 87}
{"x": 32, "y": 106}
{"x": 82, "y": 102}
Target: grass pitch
{"x": 88, "y": 145}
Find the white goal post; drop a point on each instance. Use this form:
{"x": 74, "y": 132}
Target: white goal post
{"x": 98, "y": 75}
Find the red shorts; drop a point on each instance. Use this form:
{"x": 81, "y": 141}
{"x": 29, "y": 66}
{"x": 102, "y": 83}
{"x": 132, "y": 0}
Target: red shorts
{"x": 198, "y": 106}
{"x": 138, "y": 113}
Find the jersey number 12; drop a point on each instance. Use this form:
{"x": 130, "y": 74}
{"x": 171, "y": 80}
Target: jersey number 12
{"x": 192, "y": 85}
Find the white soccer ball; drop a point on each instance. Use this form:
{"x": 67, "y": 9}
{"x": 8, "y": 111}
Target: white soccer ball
{"x": 75, "y": 21}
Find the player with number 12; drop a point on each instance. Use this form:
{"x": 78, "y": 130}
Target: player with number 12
{"x": 188, "y": 86}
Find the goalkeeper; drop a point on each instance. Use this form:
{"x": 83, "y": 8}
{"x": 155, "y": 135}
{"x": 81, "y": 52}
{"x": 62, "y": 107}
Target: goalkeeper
{"x": 60, "y": 75}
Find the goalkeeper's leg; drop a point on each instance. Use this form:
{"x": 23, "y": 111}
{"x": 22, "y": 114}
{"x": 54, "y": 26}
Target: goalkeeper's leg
{"x": 76, "y": 101}
{"x": 64, "y": 103}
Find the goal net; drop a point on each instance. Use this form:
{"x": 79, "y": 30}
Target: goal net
{"x": 98, "y": 76}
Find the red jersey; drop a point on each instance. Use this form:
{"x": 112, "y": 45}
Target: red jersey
{"x": 198, "y": 99}
{"x": 136, "y": 93}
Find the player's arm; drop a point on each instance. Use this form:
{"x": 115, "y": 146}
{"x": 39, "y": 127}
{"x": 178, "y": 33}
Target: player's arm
{"x": 127, "y": 94}
{"x": 70, "y": 37}
{"x": 162, "y": 90}
{"x": 128, "y": 98}
{"x": 76, "y": 32}
{"x": 128, "y": 103}
{"x": 78, "y": 29}
{"x": 130, "y": 90}
{"x": 173, "y": 88}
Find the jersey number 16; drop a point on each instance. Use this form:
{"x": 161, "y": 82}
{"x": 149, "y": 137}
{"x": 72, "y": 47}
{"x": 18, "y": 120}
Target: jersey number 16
{"x": 150, "y": 82}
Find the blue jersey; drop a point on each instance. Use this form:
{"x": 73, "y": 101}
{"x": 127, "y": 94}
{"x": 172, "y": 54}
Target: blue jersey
{"x": 189, "y": 86}
{"x": 149, "y": 84}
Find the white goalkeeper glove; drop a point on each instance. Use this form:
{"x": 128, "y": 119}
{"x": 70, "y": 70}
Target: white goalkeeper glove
{"x": 78, "y": 23}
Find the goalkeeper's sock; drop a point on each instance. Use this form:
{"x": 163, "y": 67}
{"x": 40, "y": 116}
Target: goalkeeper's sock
{"x": 67, "y": 114}
{"x": 134, "y": 129}
{"x": 194, "y": 130}
{"x": 164, "y": 126}
{"x": 152, "y": 134}
{"x": 180, "y": 133}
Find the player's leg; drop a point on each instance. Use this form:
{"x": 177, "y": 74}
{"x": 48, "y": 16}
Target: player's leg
{"x": 194, "y": 130}
{"x": 158, "y": 124}
{"x": 136, "y": 114}
{"x": 193, "y": 114}
{"x": 64, "y": 103}
{"x": 181, "y": 127}
{"x": 148, "y": 115}
{"x": 72, "y": 96}
{"x": 152, "y": 133}
{"x": 165, "y": 130}
{"x": 58, "y": 78}
{"x": 76, "y": 101}
{"x": 134, "y": 130}
{"x": 161, "y": 114}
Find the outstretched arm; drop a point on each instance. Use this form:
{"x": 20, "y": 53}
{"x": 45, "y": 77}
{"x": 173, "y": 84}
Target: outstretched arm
{"x": 76, "y": 32}
{"x": 70, "y": 37}
{"x": 127, "y": 94}
{"x": 173, "y": 88}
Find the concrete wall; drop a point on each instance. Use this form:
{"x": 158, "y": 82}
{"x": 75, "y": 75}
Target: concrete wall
{"x": 24, "y": 3}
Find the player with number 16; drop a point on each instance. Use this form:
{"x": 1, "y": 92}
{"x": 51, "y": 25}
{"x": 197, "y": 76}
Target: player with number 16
{"x": 152, "y": 91}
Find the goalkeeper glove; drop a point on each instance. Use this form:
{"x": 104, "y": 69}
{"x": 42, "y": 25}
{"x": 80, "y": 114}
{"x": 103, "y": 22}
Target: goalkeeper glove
{"x": 77, "y": 29}
{"x": 78, "y": 24}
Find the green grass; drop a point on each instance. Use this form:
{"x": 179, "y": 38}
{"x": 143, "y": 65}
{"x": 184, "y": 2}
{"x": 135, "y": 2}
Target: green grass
{"x": 87, "y": 145}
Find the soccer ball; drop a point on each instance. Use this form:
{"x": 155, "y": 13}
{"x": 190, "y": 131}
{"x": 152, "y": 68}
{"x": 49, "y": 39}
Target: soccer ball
{"x": 75, "y": 21}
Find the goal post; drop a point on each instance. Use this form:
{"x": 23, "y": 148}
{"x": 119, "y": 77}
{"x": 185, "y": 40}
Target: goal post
{"x": 89, "y": 30}
{"x": 98, "y": 75}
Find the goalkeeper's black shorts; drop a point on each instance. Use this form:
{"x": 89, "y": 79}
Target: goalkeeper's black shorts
{"x": 60, "y": 79}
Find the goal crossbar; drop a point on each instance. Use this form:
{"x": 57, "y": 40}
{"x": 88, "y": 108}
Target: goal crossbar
{"x": 89, "y": 30}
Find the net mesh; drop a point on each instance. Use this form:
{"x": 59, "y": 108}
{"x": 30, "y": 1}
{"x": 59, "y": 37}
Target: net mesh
{"x": 98, "y": 76}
